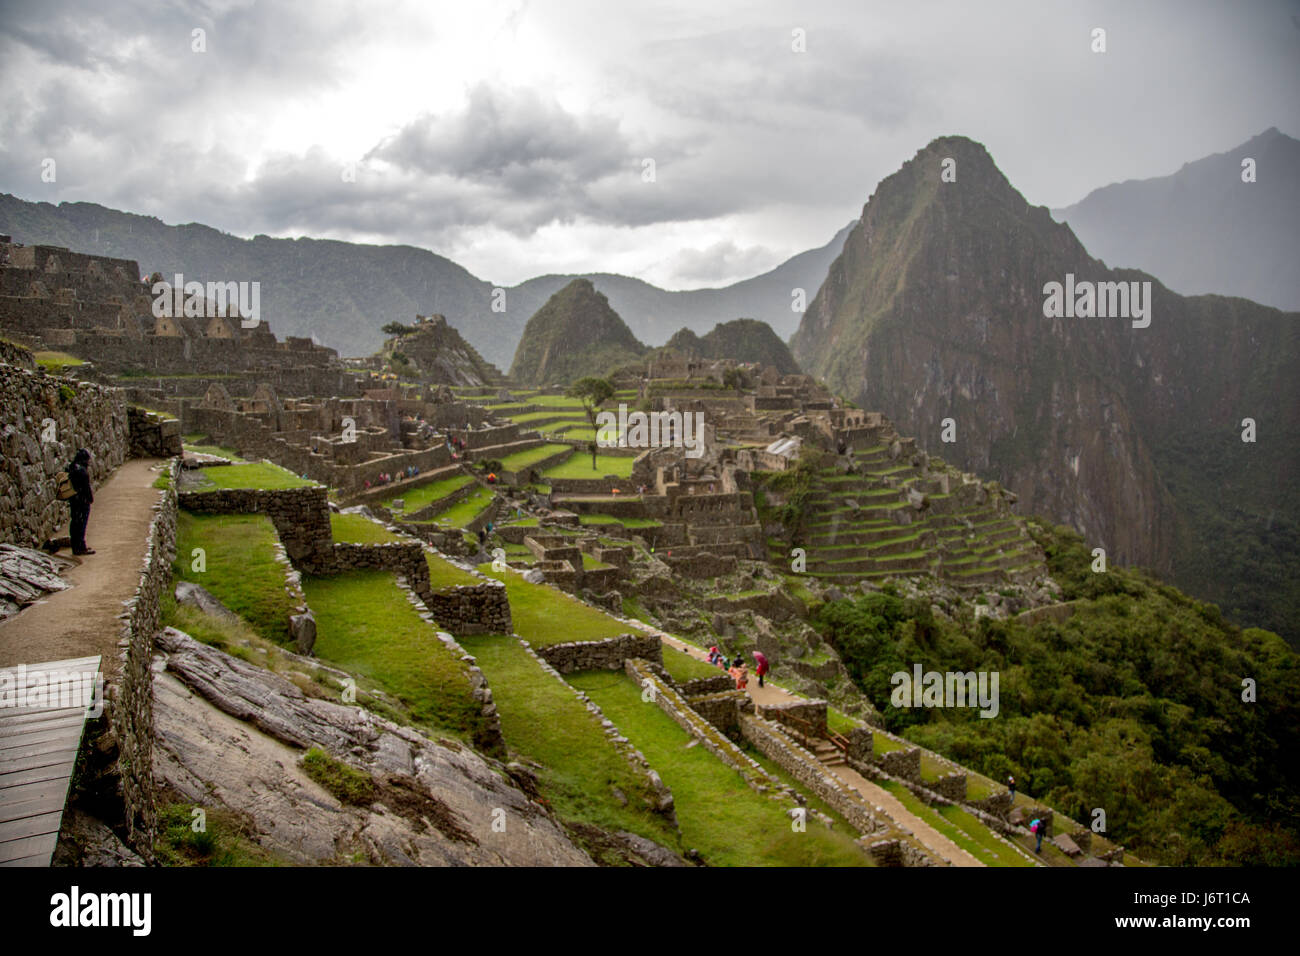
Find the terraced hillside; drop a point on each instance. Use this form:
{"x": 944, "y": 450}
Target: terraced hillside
{"x": 891, "y": 517}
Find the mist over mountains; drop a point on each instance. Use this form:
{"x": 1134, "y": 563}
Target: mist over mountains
{"x": 343, "y": 293}
{"x": 1203, "y": 229}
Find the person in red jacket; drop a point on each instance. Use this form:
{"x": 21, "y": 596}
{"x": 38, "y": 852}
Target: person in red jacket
{"x": 761, "y": 666}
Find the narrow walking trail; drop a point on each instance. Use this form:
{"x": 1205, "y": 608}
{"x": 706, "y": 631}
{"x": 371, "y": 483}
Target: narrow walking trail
{"x": 872, "y": 793}
{"x": 83, "y": 620}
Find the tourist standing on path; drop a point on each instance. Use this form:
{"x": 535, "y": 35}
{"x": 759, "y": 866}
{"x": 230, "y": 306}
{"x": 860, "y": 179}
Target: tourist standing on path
{"x": 761, "y": 666}
{"x": 1011, "y": 785}
{"x": 80, "y": 502}
{"x": 1038, "y": 828}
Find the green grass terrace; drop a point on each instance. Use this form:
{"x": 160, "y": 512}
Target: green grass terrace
{"x": 364, "y": 624}
{"x": 414, "y": 499}
{"x": 579, "y": 466}
{"x": 261, "y": 475}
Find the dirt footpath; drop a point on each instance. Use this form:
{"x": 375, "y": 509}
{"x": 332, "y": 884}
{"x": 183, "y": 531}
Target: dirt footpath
{"x": 83, "y": 620}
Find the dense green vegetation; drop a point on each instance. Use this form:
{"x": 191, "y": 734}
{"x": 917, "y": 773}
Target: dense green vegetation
{"x": 1133, "y": 704}
{"x": 575, "y": 333}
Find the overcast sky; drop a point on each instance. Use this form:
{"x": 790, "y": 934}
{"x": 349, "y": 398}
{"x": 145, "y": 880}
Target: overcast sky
{"x": 511, "y": 136}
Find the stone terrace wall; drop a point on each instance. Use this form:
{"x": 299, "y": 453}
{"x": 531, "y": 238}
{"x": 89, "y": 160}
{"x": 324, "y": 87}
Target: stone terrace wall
{"x": 130, "y": 688}
{"x": 609, "y": 655}
{"x": 808, "y": 770}
{"x": 82, "y": 416}
{"x": 301, "y": 517}
{"x": 714, "y": 741}
{"x": 698, "y": 686}
{"x": 472, "y": 608}
{"x": 19, "y": 356}
{"x": 152, "y": 436}
{"x": 796, "y": 714}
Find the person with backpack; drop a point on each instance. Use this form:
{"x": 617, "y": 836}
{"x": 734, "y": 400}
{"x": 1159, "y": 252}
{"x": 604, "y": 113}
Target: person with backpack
{"x": 1037, "y": 828}
{"x": 82, "y": 496}
{"x": 1011, "y": 785}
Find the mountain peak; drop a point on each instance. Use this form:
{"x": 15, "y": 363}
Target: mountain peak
{"x": 576, "y": 332}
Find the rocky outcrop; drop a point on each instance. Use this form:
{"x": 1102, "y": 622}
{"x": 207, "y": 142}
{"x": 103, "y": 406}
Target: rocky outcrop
{"x": 232, "y": 733}
{"x": 27, "y": 576}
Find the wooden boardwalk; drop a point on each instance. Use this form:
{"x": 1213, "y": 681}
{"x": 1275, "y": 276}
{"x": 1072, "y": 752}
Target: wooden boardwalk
{"x": 38, "y": 749}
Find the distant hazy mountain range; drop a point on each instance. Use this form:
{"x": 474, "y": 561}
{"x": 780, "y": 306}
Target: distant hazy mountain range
{"x": 343, "y": 293}
{"x": 1203, "y": 229}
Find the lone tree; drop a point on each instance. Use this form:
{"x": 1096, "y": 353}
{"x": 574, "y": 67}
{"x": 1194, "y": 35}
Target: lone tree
{"x": 594, "y": 392}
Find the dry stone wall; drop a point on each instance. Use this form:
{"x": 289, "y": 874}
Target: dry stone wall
{"x": 608, "y": 655}
{"x": 130, "y": 689}
{"x": 43, "y": 421}
{"x": 808, "y": 770}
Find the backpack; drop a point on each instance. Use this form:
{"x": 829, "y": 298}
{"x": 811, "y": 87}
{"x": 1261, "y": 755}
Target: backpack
{"x": 63, "y": 486}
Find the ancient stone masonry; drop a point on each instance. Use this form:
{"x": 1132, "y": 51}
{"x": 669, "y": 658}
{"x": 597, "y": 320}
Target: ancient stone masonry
{"x": 663, "y": 796}
{"x": 714, "y": 741}
{"x": 152, "y": 436}
{"x": 98, "y": 308}
{"x": 809, "y": 771}
{"x": 698, "y": 686}
{"x": 472, "y": 608}
{"x": 489, "y": 738}
{"x": 129, "y": 690}
{"x": 43, "y": 421}
{"x": 301, "y": 517}
{"x": 610, "y": 654}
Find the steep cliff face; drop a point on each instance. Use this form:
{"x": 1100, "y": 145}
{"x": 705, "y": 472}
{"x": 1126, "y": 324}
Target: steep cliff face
{"x": 575, "y": 333}
{"x": 935, "y": 310}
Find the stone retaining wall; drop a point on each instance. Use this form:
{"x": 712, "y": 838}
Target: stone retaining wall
{"x": 43, "y": 421}
{"x": 152, "y": 436}
{"x": 301, "y": 517}
{"x": 662, "y": 795}
{"x": 723, "y": 709}
{"x": 471, "y": 608}
{"x": 706, "y": 685}
{"x": 608, "y": 655}
{"x": 713, "y": 740}
{"x": 808, "y": 770}
{"x": 130, "y": 687}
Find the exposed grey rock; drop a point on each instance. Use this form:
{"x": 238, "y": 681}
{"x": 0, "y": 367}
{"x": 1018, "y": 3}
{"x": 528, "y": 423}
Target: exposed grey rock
{"x": 365, "y": 512}
{"x": 302, "y": 628}
{"x": 189, "y": 594}
{"x": 534, "y": 576}
{"x": 27, "y": 575}
{"x": 230, "y": 733}
{"x": 87, "y": 841}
